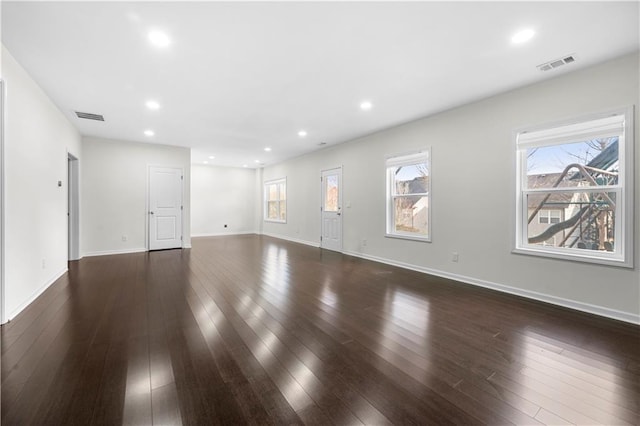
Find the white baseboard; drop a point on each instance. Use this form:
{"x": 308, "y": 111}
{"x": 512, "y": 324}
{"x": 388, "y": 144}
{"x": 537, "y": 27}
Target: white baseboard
{"x": 567, "y": 303}
{"x": 222, "y": 234}
{"x": 293, "y": 240}
{"x": 108, "y": 252}
{"x": 35, "y": 295}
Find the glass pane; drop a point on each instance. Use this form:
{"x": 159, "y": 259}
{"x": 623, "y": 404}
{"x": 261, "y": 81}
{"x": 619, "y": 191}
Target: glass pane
{"x": 587, "y": 163}
{"x": 331, "y": 193}
{"x": 584, "y": 220}
{"x": 272, "y": 212}
{"x": 412, "y": 179}
{"x": 283, "y": 191}
{"x": 273, "y": 192}
{"x": 411, "y": 215}
{"x": 283, "y": 210}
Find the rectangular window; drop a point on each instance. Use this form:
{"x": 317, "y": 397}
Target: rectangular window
{"x": 575, "y": 179}
{"x": 408, "y": 196}
{"x": 549, "y": 216}
{"x": 275, "y": 199}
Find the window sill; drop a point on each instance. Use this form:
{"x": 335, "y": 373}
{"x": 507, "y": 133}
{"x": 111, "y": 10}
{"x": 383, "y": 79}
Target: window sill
{"x": 275, "y": 221}
{"x": 603, "y": 258}
{"x": 409, "y": 237}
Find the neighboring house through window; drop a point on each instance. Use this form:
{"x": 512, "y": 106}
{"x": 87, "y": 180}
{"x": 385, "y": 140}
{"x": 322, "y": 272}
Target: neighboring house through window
{"x": 574, "y": 198}
{"x": 275, "y": 200}
{"x": 408, "y": 196}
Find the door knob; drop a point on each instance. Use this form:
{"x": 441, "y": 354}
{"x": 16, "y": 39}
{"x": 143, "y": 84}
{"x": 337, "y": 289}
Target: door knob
{"x": 150, "y": 212}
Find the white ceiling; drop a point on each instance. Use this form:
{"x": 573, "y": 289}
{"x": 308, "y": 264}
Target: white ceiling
{"x": 238, "y": 77}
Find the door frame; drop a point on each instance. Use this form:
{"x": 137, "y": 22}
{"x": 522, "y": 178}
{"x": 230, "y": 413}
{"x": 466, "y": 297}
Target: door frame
{"x": 147, "y": 221}
{"x": 73, "y": 207}
{"x": 340, "y": 191}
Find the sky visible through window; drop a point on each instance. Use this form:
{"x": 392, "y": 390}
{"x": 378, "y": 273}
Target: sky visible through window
{"x": 554, "y": 159}
{"x": 408, "y": 173}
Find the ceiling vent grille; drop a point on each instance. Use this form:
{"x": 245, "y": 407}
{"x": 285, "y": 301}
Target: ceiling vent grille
{"x": 89, "y": 116}
{"x": 556, "y": 63}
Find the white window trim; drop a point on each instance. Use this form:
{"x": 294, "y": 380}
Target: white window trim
{"x": 265, "y": 199}
{"x": 589, "y": 127}
{"x": 404, "y": 160}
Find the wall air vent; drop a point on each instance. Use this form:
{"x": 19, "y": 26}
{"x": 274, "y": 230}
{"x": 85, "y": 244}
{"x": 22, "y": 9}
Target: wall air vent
{"x": 89, "y": 116}
{"x": 556, "y": 63}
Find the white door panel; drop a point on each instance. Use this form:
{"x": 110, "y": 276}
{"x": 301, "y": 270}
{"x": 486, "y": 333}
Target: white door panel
{"x": 166, "y": 228}
{"x": 165, "y": 208}
{"x": 331, "y": 209}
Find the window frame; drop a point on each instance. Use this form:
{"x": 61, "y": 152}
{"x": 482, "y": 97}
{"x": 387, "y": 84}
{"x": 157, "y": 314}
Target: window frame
{"x": 406, "y": 159}
{"x": 577, "y": 130}
{"x": 266, "y": 199}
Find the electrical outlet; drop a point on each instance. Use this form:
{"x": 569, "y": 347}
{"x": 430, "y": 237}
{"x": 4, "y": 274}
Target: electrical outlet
{"x": 454, "y": 256}
{"x": 44, "y": 264}
{"x": 364, "y": 243}
{"x": 124, "y": 238}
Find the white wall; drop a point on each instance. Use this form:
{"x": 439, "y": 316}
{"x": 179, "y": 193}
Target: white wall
{"x": 473, "y": 192}
{"x": 219, "y": 196}
{"x": 37, "y": 140}
{"x": 114, "y": 193}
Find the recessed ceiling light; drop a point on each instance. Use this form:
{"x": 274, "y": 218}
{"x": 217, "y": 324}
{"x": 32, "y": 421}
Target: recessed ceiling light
{"x": 244, "y": 165}
{"x": 211, "y": 157}
{"x": 366, "y": 105}
{"x": 159, "y": 39}
{"x": 302, "y": 133}
{"x": 522, "y": 36}
{"x": 268, "y": 149}
{"x": 152, "y": 105}
{"x": 256, "y": 161}
{"x": 149, "y": 133}
{"x": 205, "y": 162}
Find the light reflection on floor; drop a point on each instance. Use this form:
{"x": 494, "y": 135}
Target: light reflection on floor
{"x": 276, "y": 276}
{"x": 328, "y": 296}
{"x": 550, "y": 373}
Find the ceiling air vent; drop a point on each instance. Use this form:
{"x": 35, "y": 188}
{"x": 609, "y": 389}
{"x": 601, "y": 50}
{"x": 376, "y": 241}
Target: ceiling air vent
{"x": 89, "y": 116}
{"x": 556, "y": 63}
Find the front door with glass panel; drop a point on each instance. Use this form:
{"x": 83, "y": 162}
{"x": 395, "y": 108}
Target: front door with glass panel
{"x": 331, "y": 209}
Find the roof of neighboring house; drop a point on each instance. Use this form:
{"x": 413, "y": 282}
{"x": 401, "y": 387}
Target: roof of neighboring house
{"x": 556, "y": 200}
{"x": 419, "y": 184}
{"x": 415, "y": 186}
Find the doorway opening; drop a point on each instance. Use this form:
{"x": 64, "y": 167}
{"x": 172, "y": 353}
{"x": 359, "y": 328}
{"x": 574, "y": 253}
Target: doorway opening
{"x": 73, "y": 207}
{"x": 2, "y": 295}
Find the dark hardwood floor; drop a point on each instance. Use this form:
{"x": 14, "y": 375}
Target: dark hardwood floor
{"x": 255, "y": 330}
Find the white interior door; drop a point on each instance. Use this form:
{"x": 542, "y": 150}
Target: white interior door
{"x": 331, "y": 209}
{"x": 165, "y": 208}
